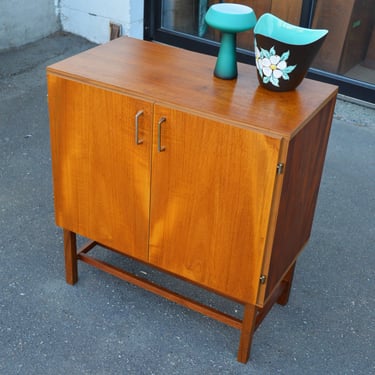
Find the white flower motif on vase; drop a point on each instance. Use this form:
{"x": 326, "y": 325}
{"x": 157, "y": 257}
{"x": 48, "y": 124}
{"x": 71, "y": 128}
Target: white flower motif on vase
{"x": 272, "y": 67}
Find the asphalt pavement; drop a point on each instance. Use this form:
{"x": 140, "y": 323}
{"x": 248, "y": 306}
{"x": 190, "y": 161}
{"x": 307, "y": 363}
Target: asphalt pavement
{"x": 103, "y": 325}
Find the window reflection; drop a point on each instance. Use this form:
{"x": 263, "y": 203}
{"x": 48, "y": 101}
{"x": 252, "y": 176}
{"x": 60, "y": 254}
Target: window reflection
{"x": 348, "y": 50}
{"x": 350, "y": 44}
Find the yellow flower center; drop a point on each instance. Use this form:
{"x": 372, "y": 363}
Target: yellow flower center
{"x": 273, "y": 67}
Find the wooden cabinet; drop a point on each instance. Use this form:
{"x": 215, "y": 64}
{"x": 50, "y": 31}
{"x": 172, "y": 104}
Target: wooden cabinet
{"x": 212, "y": 181}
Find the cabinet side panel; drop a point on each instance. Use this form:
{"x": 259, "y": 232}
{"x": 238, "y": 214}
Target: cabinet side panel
{"x": 101, "y": 177}
{"x": 212, "y": 190}
{"x": 304, "y": 166}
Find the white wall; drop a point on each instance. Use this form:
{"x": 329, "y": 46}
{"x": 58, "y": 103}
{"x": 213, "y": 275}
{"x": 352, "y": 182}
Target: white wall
{"x": 25, "y": 21}
{"x": 91, "y": 19}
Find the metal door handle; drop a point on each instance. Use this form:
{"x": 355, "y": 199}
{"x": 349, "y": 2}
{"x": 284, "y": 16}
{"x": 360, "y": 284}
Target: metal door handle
{"x": 160, "y": 147}
{"x": 137, "y": 116}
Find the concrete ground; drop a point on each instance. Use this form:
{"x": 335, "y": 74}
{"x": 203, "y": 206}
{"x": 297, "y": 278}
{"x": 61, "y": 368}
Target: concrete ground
{"x": 105, "y": 326}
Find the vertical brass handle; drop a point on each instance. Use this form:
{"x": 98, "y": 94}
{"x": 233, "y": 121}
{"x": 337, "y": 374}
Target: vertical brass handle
{"x": 137, "y": 116}
{"x": 160, "y": 147}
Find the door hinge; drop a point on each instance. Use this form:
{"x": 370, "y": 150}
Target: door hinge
{"x": 280, "y": 168}
{"x": 263, "y": 279}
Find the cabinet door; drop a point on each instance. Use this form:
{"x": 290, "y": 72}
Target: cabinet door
{"x": 101, "y": 175}
{"x": 212, "y": 190}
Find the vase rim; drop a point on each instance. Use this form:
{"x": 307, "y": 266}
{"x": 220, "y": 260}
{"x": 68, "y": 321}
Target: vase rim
{"x": 273, "y": 27}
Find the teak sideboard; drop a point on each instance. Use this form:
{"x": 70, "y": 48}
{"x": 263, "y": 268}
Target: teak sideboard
{"x": 209, "y": 180}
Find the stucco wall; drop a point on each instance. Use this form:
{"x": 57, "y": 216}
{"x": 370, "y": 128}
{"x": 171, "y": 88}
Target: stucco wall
{"x": 24, "y": 21}
{"x": 91, "y": 19}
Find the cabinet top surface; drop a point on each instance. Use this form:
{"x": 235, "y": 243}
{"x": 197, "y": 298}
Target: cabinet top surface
{"x": 176, "y": 77}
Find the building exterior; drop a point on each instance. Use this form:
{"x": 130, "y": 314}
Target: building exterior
{"x": 23, "y": 21}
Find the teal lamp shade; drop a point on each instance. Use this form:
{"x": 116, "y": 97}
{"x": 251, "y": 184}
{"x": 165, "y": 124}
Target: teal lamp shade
{"x": 229, "y": 19}
{"x": 284, "y": 52}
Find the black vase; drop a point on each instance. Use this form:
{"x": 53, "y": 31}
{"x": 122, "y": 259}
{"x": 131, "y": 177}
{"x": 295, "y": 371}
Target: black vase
{"x": 284, "y": 52}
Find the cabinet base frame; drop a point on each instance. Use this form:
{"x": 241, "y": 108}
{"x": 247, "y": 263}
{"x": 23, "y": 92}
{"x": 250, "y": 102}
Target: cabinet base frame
{"x": 252, "y": 316}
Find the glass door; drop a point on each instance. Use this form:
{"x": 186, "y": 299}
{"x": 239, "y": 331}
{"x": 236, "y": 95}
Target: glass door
{"x": 347, "y": 57}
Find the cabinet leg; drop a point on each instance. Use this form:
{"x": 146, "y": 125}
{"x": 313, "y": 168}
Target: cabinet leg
{"x": 247, "y": 331}
{"x": 287, "y": 281}
{"x": 70, "y": 253}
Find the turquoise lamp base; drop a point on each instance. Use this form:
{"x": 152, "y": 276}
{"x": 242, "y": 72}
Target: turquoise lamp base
{"x": 229, "y": 19}
{"x": 226, "y": 63}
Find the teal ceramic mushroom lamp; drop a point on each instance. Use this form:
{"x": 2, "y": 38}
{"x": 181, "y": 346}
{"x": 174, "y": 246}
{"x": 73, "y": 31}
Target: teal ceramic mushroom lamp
{"x": 284, "y": 52}
{"x": 229, "y": 19}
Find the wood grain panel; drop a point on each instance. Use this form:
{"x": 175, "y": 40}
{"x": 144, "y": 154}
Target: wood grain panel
{"x": 302, "y": 177}
{"x": 181, "y": 78}
{"x": 212, "y": 191}
{"x": 101, "y": 178}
